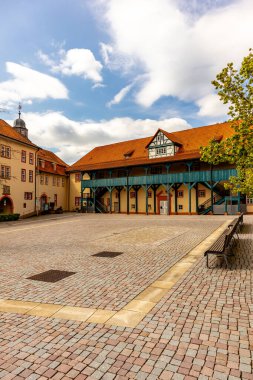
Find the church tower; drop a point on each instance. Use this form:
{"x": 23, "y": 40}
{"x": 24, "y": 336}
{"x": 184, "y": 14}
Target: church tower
{"x": 19, "y": 124}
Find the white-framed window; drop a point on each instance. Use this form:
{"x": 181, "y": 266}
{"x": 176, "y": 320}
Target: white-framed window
{"x": 30, "y": 175}
{"x": 77, "y": 201}
{"x": 5, "y": 172}
{"x": 6, "y": 190}
{"x": 58, "y": 181}
{"x": 5, "y": 151}
{"x": 31, "y": 158}
{"x": 249, "y": 201}
{"x": 63, "y": 182}
{"x": 23, "y": 156}
{"x": 46, "y": 180}
{"x": 28, "y": 195}
{"x": 160, "y": 151}
{"x": 180, "y": 207}
{"x": 23, "y": 175}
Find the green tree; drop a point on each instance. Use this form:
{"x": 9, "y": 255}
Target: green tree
{"x": 235, "y": 88}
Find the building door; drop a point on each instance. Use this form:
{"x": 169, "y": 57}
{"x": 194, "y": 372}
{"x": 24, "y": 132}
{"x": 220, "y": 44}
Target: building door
{"x": 163, "y": 207}
{"x": 6, "y": 206}
{"x": 43, "y": 202}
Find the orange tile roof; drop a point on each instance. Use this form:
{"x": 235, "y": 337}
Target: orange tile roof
{"x": 171, "y": 136}
{"x": 112, "y": 156}
{"x": 7, "y": 131}
{"x": 49, "y": 158}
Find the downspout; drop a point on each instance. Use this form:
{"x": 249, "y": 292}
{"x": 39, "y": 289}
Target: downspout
{"x": 35, "y": 182}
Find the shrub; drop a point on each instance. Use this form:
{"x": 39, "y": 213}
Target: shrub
{"x": 9, "y": 217}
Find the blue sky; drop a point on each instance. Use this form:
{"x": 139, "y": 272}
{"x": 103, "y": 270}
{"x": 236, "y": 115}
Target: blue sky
{"x": 94, "y": 72}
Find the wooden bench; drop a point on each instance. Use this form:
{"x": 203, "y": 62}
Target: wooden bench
{"x": 222, "y": 246}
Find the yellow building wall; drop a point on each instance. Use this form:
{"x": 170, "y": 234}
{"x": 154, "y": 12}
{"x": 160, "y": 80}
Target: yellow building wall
{"x": 75, "y": 190}
{"x": 162, "y": 192}
{"x": 50, "y": 190}
{"x": 18, "y": 188}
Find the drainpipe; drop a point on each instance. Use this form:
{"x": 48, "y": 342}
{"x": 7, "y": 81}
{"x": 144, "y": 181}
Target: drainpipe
{"x": 35, "y": 182}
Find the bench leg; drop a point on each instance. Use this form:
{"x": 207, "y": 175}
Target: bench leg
{"x": 226, "y": 260}
{"x": 207, "y": 261}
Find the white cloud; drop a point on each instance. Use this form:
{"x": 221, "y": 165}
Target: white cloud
{"x": 106, "y": 50}
{"x": 179, "y": 54}
{"x": 79, "y": 62}
{"x": 73, "y": 139}
{"x": 28, "y": 84}
{"x": 120, "y": 95}
{"x": 211, "y": 106}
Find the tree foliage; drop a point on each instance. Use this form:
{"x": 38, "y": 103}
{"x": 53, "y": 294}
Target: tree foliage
{"x": 235, "y": 88}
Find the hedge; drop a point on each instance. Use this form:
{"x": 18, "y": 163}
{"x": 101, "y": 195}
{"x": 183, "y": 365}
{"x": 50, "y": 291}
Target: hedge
{"x": 8, "y": 217}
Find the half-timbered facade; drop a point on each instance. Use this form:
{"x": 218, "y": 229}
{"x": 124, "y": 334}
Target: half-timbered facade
{"x": 161, "y": 174}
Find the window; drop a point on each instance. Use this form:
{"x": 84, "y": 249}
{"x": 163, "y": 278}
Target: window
{"x": 42, "y": 163}
{"x": 77, "y": 177}
{"x": 249, "y": 201}
{"x": 5, "y": 151}
{"x": 63, "y": 182}
{"x": 31, "y": 158}
{"x": 46, "y": 180}
{"x": 30, "y": 176}
{"x": 5, "y": 172}
{"x": 202, "y": 193}
{"x": 156, "y": 170}
{"x": 58, "y": 181}
{"x": 160, "y": 151}
{"x": 180, "y": 207}
{"x": 132, "y": 194}
{"x": 23, "y": 175}
{"x": 28, "y": 195}
{"x": 180, "y": 193}
{"x": 54, "y": 181}
{"x": 149, "y": 194}
{"x": 23, "y": 156}
{"x": 54, "y": 166}
{"x": 42, "y": 179}
{"x": 117, "y": 195}
{"x": 55, "y": 199}
{"x": 77, "y": 201}
{"x": 6, "y": 190}
{"x": 133, "y": 206}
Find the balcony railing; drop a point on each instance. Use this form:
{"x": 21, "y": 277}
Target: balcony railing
{"x": 157, "y": 179}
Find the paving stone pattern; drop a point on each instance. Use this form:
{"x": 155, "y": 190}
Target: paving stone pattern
{"x": 202, "y": 329}
{"x": 151, "y": 245}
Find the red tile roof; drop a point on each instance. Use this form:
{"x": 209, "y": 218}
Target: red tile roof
{"x": 112, "y": 156}
{"x": 7, "y": 131}
{"x": 49, "y": 158}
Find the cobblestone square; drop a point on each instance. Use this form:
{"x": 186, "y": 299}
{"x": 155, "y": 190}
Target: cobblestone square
{"x": 201, "y": 328}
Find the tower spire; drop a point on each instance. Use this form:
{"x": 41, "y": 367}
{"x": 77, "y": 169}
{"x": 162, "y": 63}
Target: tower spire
{"x": 19, "y": 110}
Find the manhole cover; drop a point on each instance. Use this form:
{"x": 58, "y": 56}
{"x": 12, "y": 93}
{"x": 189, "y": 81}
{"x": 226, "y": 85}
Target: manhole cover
{"x": 51, "y": 275}
{"x": 107, "y": 254}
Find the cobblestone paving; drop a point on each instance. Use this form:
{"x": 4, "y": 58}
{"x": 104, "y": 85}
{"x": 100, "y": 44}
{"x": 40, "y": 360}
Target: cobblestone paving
{"x": 150, "y": 246}
{"x": 202, "y": 329}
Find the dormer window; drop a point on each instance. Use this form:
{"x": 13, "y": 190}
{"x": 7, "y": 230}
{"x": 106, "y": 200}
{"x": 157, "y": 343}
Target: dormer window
{"x": 129, "y": 153}
{"x": 54, "y": 166}
{"x": 163, "y": 144}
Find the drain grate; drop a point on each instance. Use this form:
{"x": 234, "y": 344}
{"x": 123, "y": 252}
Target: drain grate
{"x": 51, "y": 275}
{"x": 107, "y": 254}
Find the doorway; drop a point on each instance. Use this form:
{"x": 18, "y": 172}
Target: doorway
{"x": 6, "y": 205}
